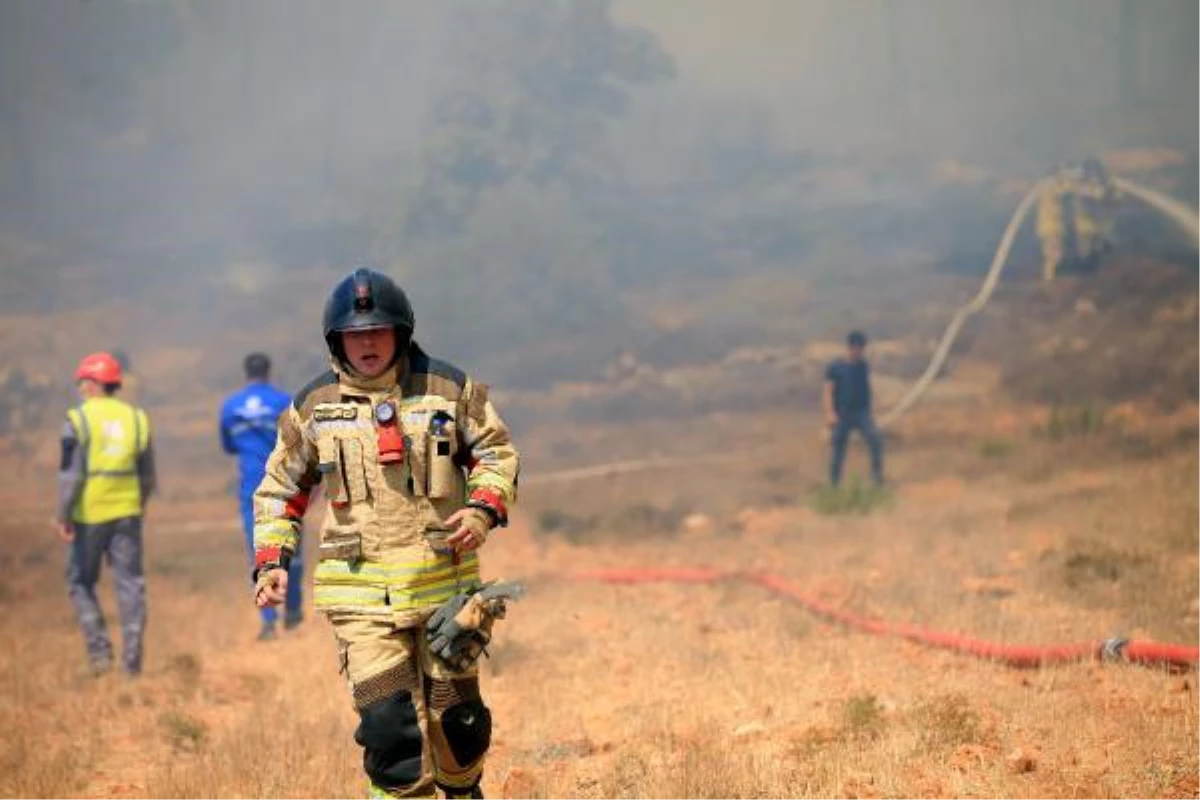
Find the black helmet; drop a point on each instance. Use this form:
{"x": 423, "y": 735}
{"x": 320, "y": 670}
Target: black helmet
{"x": 366, "y": 298}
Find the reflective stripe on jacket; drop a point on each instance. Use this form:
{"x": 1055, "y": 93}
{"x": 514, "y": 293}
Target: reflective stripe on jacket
{"x": 376, "y": 557}
{"x": 112, "y": 434}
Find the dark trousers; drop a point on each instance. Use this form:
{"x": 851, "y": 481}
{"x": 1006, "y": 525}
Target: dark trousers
{"x": 295, "y": 570}
{"x": 120, "y": 542}
{"x": 865, "y": 424}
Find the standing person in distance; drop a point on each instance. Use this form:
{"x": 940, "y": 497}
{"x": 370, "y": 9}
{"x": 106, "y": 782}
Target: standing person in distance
{"x": 847, "y": 402}
{"x": 248, "y": 426}
{"x": 106, "y": 476}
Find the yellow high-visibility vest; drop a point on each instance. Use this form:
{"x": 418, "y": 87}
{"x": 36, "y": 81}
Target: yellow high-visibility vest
{"x": 112, "y": 434}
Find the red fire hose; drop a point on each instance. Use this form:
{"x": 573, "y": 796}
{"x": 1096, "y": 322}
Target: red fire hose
{"x": 1177, "y": 657}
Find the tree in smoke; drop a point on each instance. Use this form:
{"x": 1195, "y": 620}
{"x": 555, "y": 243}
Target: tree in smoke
{"x": 525, "y": 89}
{"x": 514, "y": 147}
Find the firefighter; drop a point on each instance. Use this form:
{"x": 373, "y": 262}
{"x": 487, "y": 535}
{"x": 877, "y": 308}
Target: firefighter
{"x": 106, "y": 476}
{"x": 418, "y": 469}
{"x": 1094, "y": 206}
{"x": 1075, "y": 211}
{"x": 1052, "y": 223}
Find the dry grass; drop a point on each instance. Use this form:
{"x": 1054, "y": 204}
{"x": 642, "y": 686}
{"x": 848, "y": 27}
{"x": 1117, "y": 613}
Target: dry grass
{"x": 721, "y": 690}
{"x": 680, "y": 691}
{"x": 945, "y": 722}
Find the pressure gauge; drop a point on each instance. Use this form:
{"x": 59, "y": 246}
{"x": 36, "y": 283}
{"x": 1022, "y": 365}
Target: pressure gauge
{"x": 385, "y": 413}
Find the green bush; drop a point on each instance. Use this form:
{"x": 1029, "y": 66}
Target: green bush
{"x": 997, "y": 448}
{"x": 853, "y": 497}
{"x": 862, "y": 717}
{"x": 1068, "y": 422}
{"x": 184, "y": 731}
{"x": 944, "y": 722}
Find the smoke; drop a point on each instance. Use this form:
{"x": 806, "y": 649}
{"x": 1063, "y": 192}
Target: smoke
{"x": 217, "y": 162}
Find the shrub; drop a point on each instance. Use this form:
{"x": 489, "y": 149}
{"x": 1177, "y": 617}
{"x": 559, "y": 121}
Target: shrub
{"x": 854, "y": 497}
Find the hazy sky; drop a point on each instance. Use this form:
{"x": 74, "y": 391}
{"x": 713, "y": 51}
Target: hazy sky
{"x": 965, "y": 74}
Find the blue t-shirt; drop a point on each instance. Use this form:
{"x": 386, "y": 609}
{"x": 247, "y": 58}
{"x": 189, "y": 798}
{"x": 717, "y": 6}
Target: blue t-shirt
{"x": 248, "y": 425}
{"x": 851, "y": 386}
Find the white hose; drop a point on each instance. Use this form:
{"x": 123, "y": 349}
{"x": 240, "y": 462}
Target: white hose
{"x": 1180, "y": 214}
{"x": 1176, "y": 211}
{"x": 975, "y": 304}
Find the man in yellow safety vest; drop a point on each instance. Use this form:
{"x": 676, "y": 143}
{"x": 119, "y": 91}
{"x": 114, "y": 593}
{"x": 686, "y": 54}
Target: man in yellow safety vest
{"x": 106, "y": 476}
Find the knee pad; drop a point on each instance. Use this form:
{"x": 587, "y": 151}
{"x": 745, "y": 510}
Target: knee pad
{"x": 391, "y": 740}
{"x": 390, "y": 682}
{"x": 467, "y": 728}
{"x": 442, "y": 694}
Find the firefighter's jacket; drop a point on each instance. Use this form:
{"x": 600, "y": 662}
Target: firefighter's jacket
{"x": 377, "y": 557}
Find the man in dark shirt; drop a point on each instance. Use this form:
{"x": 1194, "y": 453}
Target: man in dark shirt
{"x": 848, "y": 406}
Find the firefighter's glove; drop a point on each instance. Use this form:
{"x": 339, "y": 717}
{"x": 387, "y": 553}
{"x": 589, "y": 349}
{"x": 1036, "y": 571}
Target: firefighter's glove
{"x": 461, "y": 628}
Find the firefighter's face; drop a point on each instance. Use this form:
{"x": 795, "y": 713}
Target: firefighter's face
{"x": 370, "y": 352}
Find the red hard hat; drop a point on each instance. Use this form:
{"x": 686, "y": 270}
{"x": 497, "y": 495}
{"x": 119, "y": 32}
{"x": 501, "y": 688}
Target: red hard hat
{"x": 99, "y": 367}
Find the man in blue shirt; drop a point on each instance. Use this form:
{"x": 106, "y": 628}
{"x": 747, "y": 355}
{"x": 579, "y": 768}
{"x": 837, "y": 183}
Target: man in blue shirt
{"x": 848, "y": 406}
{"x": 248, "y": 419}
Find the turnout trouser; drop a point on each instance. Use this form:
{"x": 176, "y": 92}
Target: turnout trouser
{"x": 421, "y": 725}
{"x": 120, "y": 542}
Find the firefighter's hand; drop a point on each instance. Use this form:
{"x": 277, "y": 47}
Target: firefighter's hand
{"x": 65, "y": 530}
{"x": 470, "y": 526}
{"x": 271, "y": 588}
{"x": 831, "y": 419}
